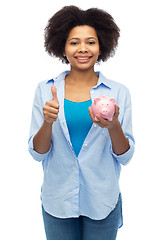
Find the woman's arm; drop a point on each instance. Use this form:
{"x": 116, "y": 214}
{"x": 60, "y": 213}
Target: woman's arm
{"x": 120, "y": 143}
{"x": 42, "y": 140}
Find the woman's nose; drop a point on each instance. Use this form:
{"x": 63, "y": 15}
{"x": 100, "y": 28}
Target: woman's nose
{"x": 82, "y": 48}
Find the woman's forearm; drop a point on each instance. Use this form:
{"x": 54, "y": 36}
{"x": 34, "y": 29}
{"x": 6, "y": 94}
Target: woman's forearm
{"x": 42, "y": 140}
{"x": 120, "y": 143}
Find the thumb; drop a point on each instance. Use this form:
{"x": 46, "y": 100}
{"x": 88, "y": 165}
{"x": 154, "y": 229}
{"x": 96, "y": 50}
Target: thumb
{"x": 54, "y": 93}
{"x": 116, "y": 110}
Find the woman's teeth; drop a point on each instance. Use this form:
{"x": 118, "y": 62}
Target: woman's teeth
{"x": 82, "y": 58}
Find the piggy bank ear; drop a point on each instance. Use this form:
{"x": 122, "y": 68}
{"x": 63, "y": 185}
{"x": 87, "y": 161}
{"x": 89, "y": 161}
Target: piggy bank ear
{"x": 96, "y": 100}
{"x": 112, "y": 100}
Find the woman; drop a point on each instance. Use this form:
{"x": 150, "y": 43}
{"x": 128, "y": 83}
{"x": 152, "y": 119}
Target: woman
{"x": 81, "y": 157}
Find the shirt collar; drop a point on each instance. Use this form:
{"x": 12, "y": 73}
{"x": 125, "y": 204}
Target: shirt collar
{"x": 101, "y": 80}
{"x": 61, "y": 76}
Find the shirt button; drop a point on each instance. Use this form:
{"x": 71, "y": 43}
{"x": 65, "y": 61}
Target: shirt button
{"x": 95, "y": 125}
{"x": 92, "y": 91}
{"x": 85, "y": 144}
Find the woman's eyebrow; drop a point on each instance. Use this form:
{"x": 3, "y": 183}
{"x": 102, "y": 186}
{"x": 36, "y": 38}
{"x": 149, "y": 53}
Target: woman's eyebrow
{"x": 79, "y": 38}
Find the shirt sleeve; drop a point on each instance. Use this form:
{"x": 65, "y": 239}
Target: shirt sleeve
{"x": 126, "y": 124}
{"x": 36, "y": 122}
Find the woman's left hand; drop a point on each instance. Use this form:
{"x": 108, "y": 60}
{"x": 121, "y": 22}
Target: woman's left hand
{"x": 103, "y": 123}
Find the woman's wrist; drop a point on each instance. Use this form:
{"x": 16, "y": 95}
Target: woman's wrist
{"x": 115, "y": 126}
{"x": 47, "y": 125}
{"x": 120, "y": 143}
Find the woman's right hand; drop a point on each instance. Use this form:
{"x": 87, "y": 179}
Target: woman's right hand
{"x": 51, "y": 108}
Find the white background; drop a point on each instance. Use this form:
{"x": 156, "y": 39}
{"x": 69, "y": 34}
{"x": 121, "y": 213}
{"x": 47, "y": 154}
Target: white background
{"x": 24, "y": 63}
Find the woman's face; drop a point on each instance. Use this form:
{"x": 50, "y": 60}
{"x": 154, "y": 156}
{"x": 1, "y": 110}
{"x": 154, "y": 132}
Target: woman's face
{"x": 82, "y": 47}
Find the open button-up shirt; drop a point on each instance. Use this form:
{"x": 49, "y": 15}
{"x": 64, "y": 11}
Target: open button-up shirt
{"x": 86, "y": 185}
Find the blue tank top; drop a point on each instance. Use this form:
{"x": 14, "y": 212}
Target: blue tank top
{"x": 78, "y": 122}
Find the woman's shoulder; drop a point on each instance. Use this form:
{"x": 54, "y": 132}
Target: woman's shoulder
{"x": 112, "y": 84}
{"x": 46, "y": 82}
{"x": 50, "y": 81}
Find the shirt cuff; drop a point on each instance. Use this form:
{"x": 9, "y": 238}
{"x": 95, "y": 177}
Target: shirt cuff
{"x": 125, "y": 157}
{"x": 37, "y": 156}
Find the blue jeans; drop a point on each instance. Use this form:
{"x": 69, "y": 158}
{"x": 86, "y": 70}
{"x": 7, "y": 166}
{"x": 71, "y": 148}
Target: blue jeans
{"x": 83, "y": 228}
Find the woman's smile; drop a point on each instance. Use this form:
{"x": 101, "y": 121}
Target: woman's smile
{"x": 83, "y": 59}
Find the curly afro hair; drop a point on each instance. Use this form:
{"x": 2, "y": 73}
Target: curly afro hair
{"x": 62, "y": 22}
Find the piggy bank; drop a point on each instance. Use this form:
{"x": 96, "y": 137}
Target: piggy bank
{"x": 104, "y": 107}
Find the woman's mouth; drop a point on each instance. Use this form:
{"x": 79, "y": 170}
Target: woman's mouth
{"x": 83, "y": 59}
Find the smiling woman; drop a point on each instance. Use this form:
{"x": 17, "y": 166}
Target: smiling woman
{"x": 81, "y": 157}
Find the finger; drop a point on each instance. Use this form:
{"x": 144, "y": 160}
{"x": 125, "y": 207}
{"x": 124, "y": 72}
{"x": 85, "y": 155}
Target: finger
{"x": 52, "y": 104}
{"x": 91, "y": 114}
{"x": 101, "y": 125}
{"x": 54, "y": 93}
{"x": 102, "y": 120}
{"x": 50, "y": 117}
{"x": 50, "y": 109}
{"x": 116, "y": 110}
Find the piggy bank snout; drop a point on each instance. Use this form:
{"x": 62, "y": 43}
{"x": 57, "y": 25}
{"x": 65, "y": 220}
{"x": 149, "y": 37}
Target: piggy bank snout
{"x": 104, "y": 110}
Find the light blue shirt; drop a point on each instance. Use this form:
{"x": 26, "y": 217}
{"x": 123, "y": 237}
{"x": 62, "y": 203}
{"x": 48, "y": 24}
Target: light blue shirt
{"x": 86, "y": 185}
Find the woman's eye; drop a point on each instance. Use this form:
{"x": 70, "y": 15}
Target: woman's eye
{"x": 91, "y": 43}
{"x": 74, "y": 43}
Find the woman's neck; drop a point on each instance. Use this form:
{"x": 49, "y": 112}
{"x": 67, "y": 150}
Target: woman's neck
{"x": 82, "y": 78}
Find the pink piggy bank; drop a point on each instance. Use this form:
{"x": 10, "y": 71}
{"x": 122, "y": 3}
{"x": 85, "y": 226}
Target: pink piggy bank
{"x": 103, "y": 106}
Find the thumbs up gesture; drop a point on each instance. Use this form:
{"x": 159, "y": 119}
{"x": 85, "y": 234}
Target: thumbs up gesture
{"x": 51, "y": 108}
